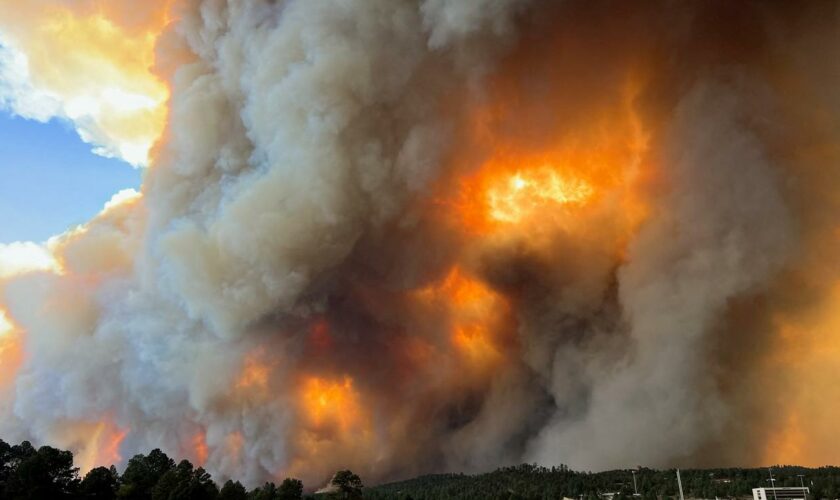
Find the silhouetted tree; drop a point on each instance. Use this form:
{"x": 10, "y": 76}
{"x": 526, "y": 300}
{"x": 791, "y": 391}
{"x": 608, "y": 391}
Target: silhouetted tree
{"x": 200, "y": 486}
{"x": 185, "y": 483}
{"x": 268, "y": 491}
{"x": 100, "y": 483}
{"x": 290, "y": 489}
{"x": 48, "y": 473}
{"x": 142, "y": 474}
{"x": 233, "y": 491}
{"x": 5, "y": 464}
{"x": 348, "y": 484}
{"x": 45, "y": 473}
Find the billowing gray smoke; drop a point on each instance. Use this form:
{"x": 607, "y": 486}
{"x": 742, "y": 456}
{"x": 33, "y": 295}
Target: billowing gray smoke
{"x": 407, "y": 236}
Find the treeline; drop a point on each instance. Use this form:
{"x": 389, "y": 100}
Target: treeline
{"x": 535, "y": 482}
{"x": 48, "y": 473}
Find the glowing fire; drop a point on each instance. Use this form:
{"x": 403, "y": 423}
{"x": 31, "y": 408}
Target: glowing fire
{"x": 510, "y": 186}
{"x": 526, "y": 193}
{"x": 331, "y": 403}
{"x": 476, "y": 313}
{"x": 98, "y": 443}
{"x": 515, "y": 190}
{"x": 199, "y": 444}
{"x": 335, "y": 421}
{"x": 474, "y": 340}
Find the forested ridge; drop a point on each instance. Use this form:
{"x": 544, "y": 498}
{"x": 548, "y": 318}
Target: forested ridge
{"x": 535, "y": 482}
{"x": 49, "y": 473}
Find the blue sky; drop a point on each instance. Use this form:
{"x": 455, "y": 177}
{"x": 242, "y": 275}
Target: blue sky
{"x": 50, "y": 180}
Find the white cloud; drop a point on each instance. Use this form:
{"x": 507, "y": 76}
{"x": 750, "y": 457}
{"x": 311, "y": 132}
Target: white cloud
{"x": 17, "y": 94}
{"x": 21, "y": 257}
{"x": 113, "y": 101}
{"x": 120, "y": 197}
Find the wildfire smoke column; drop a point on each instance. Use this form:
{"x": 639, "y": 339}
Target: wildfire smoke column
{"x": 405, "y": 237}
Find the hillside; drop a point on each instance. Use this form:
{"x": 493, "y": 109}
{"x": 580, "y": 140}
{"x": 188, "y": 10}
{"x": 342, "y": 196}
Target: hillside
{"x": 534, "y": 482}
{"x": 46, "y": 472}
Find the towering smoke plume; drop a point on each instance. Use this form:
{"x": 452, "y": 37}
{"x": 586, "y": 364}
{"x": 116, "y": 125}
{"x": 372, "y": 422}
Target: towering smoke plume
{"x": 407, "y": 236}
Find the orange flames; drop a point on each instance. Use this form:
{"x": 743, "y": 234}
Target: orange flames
{"x": 558, "y": 188}
{"x": 511, "y": 192}
{"x": 477, "y": 318}
{"x": 331, "y": 404}
{"x": 199, "y": 445}
{"x": 112, "y": 437}
{"x": 334, "y": 422}
{"x": 476, "y": 314}
{"x": 509, "y": 183}
{"x": 97, "y": 443}
{"x": 524, "y": 194}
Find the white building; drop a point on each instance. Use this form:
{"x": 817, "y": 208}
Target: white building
{"x": 792, "y": 493}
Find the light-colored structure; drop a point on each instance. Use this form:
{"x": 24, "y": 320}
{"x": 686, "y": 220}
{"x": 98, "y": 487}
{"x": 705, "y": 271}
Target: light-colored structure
{"x": 792, "y": 493}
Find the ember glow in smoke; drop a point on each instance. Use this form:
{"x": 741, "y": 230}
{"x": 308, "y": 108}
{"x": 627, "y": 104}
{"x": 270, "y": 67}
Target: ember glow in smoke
{"x": 414, "y": 236}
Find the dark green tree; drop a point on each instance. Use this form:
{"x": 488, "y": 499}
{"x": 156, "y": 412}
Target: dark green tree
{"x": 268, "y": 491}
{"x": 5, "y": 464}
{"x": 45, "y": 473}
{"x": 100, "y": 483}
{"x": 201, "y": 486}
{"x": 290, "y": 489}
{"x": 172, "y": 481}
{"x": 142, "y": 474}
{"x": 233, "y": 491}
{"x": 348, "y": 484}
{"x": 185, "y": 483}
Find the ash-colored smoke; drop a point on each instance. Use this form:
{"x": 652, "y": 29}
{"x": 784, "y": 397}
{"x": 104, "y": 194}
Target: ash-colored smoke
{"x": 296, "y": 290}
